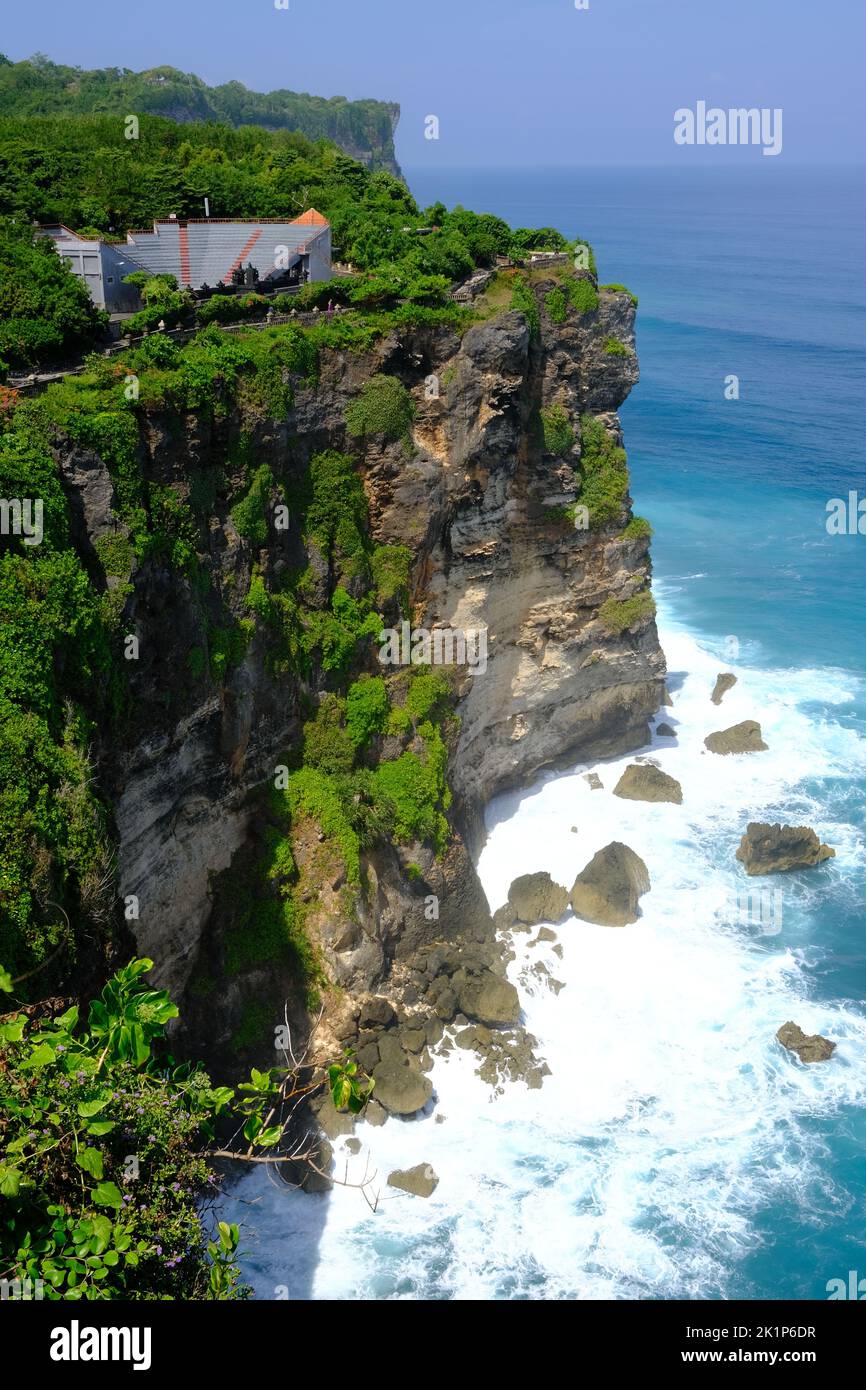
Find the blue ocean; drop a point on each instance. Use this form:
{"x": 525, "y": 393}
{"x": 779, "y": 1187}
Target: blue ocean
{"x": 676, "y": 1151}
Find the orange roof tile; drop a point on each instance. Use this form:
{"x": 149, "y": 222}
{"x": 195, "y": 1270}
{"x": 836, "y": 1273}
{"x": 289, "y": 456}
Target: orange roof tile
{"x": 311, "y": 218}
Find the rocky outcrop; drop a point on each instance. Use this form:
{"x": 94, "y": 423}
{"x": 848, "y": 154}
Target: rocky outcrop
{"x": 488, "y": 999}
{"x": 420, "y": 1181}
{"x": 740, "y": 738}
{"x": 665, "y": 731}
{"x": 724, "y": 682}
{"x": 777, "y": 849}
{"x": 401, "y": 1089}
{"x": 808, "y": 1047}
{"x": 479, "y": 502}
{"x": 534, "y": 898}
{"x": 644, "y": 782}
{"x": 609, "y": 889}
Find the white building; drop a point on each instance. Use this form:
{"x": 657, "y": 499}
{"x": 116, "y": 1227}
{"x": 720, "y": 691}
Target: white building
{"x": 198, "y": 251}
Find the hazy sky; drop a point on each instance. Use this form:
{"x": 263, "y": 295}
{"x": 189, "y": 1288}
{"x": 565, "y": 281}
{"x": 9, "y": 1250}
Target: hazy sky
{"x": 539, "y": 82}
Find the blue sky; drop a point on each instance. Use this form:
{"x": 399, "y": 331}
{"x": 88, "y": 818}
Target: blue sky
{"x": 512, "y": 83}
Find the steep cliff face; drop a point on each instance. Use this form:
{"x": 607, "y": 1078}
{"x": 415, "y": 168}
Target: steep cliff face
{"x": 493, "y": 553}
{"x": 484, "y": 500}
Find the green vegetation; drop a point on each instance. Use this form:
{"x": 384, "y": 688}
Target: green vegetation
{"x": 367, "y": 709}
{"x": 558, "y": 433}
{"x": 55, "y": 657}
{"x": 621, "y": 289}
{"x": 637, "y": 529}
{"x": 524, "y": 301}
{"x": 39, "y": 87}
{"x": 603, "y": 473}
{"x": 46, "y": 313}
{"x": 390, "y": 566}
{"x": 620, "y": 615}
{"x": 614, "y": 348}
{"x": 383, "y": 406}
{"x": 556, "y": 304}
{"x": 251, "y": 515}
{"x": 583, "y": 295}
{"x": 107, "y": 1147}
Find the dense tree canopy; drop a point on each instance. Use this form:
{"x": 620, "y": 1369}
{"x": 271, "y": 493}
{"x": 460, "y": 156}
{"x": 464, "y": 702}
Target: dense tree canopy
{"x": 45, "y": 311}
{"x": 37, "y": 87}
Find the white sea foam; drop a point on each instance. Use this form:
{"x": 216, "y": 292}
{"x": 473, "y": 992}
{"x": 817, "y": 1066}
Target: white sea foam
{"x": 671, "y": 1116}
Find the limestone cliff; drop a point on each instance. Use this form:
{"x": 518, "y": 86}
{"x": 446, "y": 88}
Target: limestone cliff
{"x": 484, "y": 499}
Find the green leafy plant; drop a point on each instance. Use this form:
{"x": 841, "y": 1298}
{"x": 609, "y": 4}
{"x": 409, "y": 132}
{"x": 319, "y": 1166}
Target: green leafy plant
{"x": 383, "y": 406}
{"x": 558, "y": 433}
{"x": 620, "y": 615}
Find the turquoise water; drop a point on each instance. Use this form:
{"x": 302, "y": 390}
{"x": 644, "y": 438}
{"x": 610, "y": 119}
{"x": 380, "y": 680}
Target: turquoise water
{"x": 678, "y": 1152}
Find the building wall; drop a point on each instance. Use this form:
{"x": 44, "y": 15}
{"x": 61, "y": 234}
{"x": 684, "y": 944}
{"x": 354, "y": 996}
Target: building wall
{"x": 102, "y": 268}
{"x": 319, "y": 257}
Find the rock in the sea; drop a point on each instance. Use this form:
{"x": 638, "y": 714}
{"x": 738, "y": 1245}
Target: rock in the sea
{"x": 609, "y": 889}
{"x": 594, "y": 781}
{"x": 536, "y": 898}
{"x": 421, "y": 1180}
{"x": 486, "y": 998}
{"x": 740, "y": 738}
{"x": 809, "y": 1047}
{"x": 643, "y": 782}
{"x": 776, "y": 849}
{"x": 401, "y": 1088}
{"x": 665, "y": 731}
{"x": 724, "y": 682}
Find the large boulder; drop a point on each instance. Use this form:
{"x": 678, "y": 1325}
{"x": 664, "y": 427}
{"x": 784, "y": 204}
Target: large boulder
{"x": 809, "y": 1047}
{"x": 421, "y": 1180}
{"x": 400, "y": 1087}
{"x": 535, "y": 898}
{"x": 740, "y": 738}
{"x": 644, "y": 782}
{"x": 777, "y": 849}
{"x": 609, "y": 889}
{"x": 724, "y": 681}
{"x": 486, "y": 998}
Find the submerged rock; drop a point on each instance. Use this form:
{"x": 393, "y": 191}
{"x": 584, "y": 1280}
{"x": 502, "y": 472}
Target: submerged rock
{"x": 421, "y": 1180}
{"x": 608, "y": 890}
{"x": 740, "y": 738}
{"x": 809, "y": 1047}
{"x": 724, "y": 683}
{"x": 535, "y": 898}
{"x": 776, "y": 849}
{"x": 645, "y": 782}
